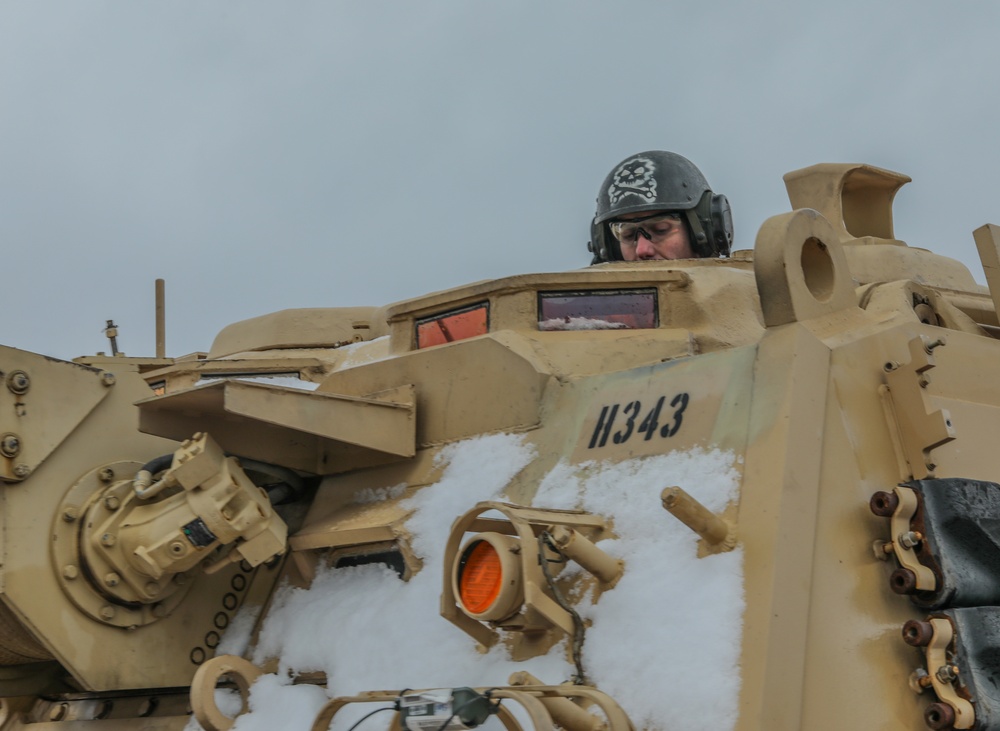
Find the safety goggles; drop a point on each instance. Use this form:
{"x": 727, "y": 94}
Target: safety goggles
{"x": 656, "y": 228}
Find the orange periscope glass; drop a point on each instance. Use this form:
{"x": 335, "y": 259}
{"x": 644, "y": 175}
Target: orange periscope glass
{"x": 480, "y": 578}
{"x": 452, "y": 326}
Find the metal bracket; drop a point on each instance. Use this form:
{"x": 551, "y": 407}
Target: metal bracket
{"x": 937, "y": 658}
{"x": 906, "y": 555}
{"x": 916, "y": 428}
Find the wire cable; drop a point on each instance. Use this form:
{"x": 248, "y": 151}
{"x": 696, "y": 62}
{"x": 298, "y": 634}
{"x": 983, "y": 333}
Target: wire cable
{"x": 545, "y": 540}
{"x": 369, "y": 715}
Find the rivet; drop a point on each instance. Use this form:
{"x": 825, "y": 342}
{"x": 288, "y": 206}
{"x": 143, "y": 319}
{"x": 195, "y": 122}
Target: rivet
{"x": 70, "y": 572}
{"x": 108, "y": 379}
{"x": 22, "y": 470}
{"x": 111, "y": 502}
{"x": 107, "y": 611}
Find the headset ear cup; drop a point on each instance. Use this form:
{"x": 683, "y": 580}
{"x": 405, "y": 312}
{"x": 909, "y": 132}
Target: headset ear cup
{"x": 603, "y": 245}
{"x": 721, "y": 225}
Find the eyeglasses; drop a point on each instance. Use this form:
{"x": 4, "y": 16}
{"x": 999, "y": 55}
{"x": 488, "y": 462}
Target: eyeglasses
{"x": 656, "y": 228}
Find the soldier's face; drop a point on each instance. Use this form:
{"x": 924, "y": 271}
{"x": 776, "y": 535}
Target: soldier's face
{"x": 653, "y": 236}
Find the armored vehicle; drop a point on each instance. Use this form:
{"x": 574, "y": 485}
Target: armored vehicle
{"x": 752, "y": 493}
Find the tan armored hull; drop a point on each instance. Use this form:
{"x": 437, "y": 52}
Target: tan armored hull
{"x": 750, "y": 493}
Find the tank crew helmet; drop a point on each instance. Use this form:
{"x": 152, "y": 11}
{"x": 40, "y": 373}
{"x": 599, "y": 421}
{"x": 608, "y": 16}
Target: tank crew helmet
{"x": 661, "y": 181}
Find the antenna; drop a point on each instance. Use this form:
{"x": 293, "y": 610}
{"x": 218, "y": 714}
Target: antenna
{"x": 111, "y": 330}
{"x": 161, "y": 326}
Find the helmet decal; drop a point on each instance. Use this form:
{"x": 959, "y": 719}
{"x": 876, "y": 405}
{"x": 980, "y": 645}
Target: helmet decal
{"x": 633, "y": 177}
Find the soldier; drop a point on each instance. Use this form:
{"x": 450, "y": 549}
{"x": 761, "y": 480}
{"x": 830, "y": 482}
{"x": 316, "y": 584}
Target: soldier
{"x": 658, "y": 205}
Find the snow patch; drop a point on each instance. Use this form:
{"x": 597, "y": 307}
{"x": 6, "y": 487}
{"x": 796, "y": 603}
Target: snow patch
{"x": 666, "y": 637}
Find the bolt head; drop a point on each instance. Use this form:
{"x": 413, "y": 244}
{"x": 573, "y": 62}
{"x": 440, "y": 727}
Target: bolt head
{"x": 70, "y": 572}
{"x": 112, "y": 579}
{"x": 22, "y": 470}
{"x": 152, "y": 588}
{"x": 107, "y": 539}
{"x": 10, "y": 445}
{"x": 107, "y": 611}
{"x": 70, "y": 514}
{"x": 18, "y": 382}
{"x": 106, "y": 474}
{"x": 108, "y": 379}
{"x": 111, "y": 502}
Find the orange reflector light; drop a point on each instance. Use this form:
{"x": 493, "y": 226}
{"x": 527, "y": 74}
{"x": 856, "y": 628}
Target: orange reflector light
{"x": 480, "y": 577}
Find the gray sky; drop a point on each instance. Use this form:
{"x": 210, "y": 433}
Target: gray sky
{"x": 268, "y": 155}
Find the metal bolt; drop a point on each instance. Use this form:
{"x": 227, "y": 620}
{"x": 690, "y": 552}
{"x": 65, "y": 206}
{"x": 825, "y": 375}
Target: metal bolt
{"x": 910, "y": 539}
{"x": 70, "y": 572}
{"x": 112, "y": 579}
{"x": 929, "y": 347}
{"x": 111, "y": 502}
{"x": 884, "y": 503}
{"x": 177, "y": 548}
{"x": 890, "y": 366}
{"x": 18, "y": 382}
{"x": 106, "y": 474}
{"x": 10, "y": 445}
{"x": 22, "y": 470}
{"x": 939, "y": 716}
{"x": 882, "y": 550}
{"x": 107, "y": 611}
{"x": 919, "y": 680}
{"x": 903, "y": 581}
{"x": 152, "y": 588}
{"x": 70, "y": 514}
{"x": 947, "y": 673}
{"x": 107, "y": 540}
{"x": 108, "y": 379}
{"x": 917, "y": 633}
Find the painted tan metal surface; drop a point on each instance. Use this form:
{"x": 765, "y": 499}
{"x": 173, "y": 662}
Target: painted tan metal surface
{"x": 833, "y": 359}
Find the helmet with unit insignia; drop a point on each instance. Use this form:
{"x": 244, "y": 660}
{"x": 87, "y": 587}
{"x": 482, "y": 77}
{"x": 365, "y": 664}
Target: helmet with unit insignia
{"x": 661, "y": 181}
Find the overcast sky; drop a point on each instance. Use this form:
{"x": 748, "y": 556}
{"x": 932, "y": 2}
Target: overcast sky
{"x": 268, "y": 155}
